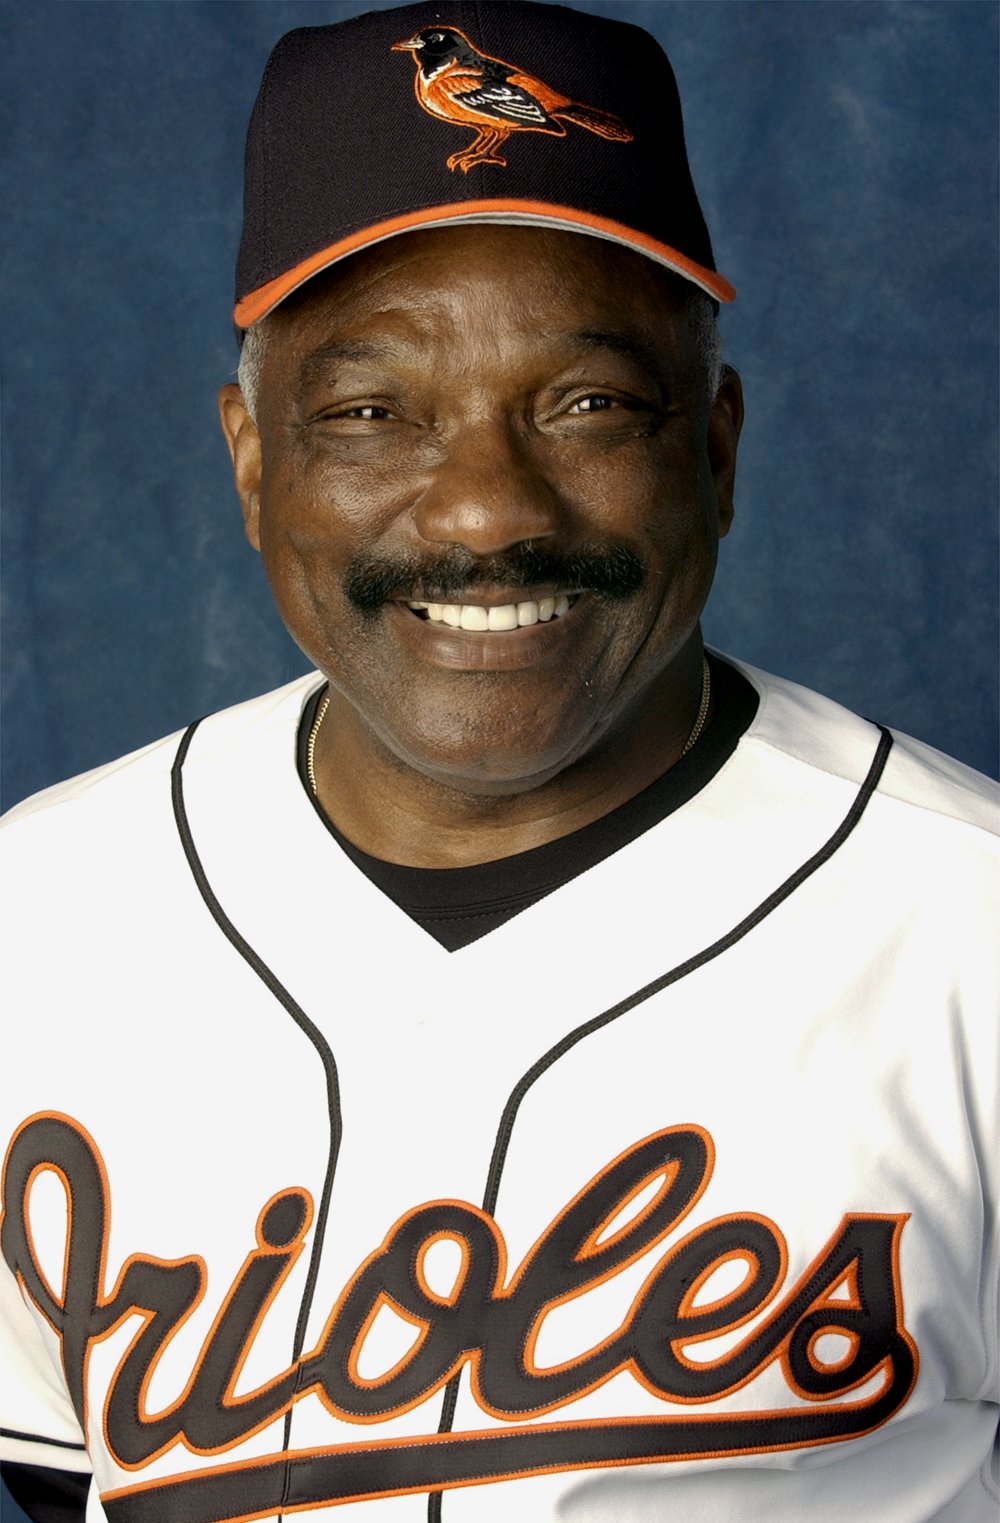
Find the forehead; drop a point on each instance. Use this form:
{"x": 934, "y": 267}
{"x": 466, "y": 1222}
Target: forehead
{"x": 475, "y": 286}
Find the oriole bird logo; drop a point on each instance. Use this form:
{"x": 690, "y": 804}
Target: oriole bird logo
{"x": 457, "y": 83}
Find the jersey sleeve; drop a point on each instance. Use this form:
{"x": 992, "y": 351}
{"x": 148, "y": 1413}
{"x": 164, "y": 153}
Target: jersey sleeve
{"x": 38, "y": 1425}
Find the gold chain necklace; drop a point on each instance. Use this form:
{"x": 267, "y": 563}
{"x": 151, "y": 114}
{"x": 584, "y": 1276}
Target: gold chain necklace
{"x": 311, "y": 743}
{"x": 706, "y": 694}
{"x": 699, "y": 724}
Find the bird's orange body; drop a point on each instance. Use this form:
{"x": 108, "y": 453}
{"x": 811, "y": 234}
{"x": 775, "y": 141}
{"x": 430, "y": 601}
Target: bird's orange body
{"x": 442, "y": 96}
{"x": 457, "y": 83}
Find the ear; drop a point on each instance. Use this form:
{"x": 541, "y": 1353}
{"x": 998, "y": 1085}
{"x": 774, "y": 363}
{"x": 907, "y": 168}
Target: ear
{"x": 244, "y": 450}
{"x": 724, "y": 423}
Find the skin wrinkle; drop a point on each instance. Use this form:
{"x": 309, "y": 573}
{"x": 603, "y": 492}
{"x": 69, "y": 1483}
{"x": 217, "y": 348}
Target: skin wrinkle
{"x": 701, "y": 311}
{"x": 474, "y": 436}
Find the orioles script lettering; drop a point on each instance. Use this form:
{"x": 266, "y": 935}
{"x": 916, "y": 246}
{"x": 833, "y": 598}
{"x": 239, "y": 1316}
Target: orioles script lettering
{"x": 488, "y": 1325}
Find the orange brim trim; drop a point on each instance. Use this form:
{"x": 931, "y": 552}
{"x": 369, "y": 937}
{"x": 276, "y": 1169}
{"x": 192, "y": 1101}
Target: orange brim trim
{"x": 251, "y": 308}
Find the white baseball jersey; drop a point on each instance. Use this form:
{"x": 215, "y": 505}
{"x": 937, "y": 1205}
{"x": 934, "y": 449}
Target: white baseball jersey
{"x": 673, "y": 1197}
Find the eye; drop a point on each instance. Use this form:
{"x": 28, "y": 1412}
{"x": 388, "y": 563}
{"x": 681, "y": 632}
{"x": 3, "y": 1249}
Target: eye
{"x": 357, "y": 418}
{"x": 362, "y": 412}
{"x": 370, "y": 414}
{"x": 597, "y": 402}
{"x": 436, "y": 37}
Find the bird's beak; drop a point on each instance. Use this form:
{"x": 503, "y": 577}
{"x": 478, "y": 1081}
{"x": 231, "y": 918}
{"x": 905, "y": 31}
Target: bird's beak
{"x": 407, "y": 47}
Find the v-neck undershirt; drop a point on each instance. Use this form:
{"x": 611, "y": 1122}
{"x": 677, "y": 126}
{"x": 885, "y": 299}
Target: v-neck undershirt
{"x": 458, "y": 905}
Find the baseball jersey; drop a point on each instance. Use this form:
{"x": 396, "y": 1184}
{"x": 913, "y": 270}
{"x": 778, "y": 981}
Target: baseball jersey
{"x": 671, "y": 1197}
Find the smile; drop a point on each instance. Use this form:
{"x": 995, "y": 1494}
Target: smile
{"x": 506, "y": 616}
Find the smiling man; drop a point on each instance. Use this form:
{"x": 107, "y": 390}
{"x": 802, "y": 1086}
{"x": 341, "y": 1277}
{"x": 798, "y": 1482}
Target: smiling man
{"x": 488, "y": 468}
{"x": 561, "y": 1059}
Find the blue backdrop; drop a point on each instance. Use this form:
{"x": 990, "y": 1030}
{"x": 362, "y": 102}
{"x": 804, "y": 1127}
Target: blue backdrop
{"x": 846, "y": 158}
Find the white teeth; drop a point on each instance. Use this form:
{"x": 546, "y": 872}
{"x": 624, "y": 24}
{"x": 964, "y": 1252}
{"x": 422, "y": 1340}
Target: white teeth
{"x": 507, "y": 616}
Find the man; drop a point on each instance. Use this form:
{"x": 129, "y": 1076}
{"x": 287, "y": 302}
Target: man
{"x": 571, "y": 1054}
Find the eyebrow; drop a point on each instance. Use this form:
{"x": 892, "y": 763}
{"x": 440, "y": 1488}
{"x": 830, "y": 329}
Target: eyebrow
{"x": 346, "y": 351}
{"x": 625, "y": 344}
{"x": 355, "y": 351}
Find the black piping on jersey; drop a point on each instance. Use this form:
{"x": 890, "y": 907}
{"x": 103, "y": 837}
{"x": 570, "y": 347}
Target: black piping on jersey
{"x": 597, "y": 1022}
{"x": 298, "y": 1015}
{"x": 546, "y": 1061}
{"x": 38, "y": 1438}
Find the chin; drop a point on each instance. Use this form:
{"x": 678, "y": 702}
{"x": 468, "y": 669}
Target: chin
{"x": 480, "y": 771}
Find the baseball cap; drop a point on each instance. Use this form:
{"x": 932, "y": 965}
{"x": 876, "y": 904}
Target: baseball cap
{"x": 505, "y": 111}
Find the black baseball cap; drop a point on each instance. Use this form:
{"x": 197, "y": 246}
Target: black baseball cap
{"x": 506, "y": 111}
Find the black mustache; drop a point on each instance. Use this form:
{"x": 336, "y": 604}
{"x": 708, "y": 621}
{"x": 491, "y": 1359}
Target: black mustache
{"x": 613, "y": 571}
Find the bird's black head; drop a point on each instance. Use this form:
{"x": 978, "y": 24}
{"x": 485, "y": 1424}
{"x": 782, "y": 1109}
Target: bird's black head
{"x": 437, "y": 45}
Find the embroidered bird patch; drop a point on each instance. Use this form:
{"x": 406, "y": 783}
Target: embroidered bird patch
{"x": 457, "y": 83}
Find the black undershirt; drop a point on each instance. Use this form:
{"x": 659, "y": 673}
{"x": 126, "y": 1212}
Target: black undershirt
{"x": 47, "y": 1495}
{"x": 457, "y": 905}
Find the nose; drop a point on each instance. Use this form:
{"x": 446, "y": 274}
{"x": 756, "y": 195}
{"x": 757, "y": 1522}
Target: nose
{"x": 487, "y": 493}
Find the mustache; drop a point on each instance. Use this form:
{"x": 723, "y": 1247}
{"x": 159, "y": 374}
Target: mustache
{"x": 611, "y": 570}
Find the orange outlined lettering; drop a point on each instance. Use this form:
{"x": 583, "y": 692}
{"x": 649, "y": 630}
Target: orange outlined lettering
{"x": 487, "y": 1324}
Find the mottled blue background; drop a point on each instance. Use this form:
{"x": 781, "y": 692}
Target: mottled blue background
{"x": 846, "y": 159}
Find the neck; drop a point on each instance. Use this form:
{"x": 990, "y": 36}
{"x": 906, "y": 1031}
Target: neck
{"x": 400, "y": 814}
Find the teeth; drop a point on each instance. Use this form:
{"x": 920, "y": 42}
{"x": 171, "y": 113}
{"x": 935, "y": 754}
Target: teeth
{"x": 507, "y": 616}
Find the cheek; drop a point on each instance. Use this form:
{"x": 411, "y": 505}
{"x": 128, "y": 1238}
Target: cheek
{"x": 651, "y": 490}
{"x": 672, "y": 520}
{"x": 313, "y": 518}
{"x": 301, "y": 556}
{"x": 319, "y": 496}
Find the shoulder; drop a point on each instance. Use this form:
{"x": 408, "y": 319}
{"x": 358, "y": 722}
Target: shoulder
{"x": 106, "y": 800}
{"x": 800, "y": 729}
